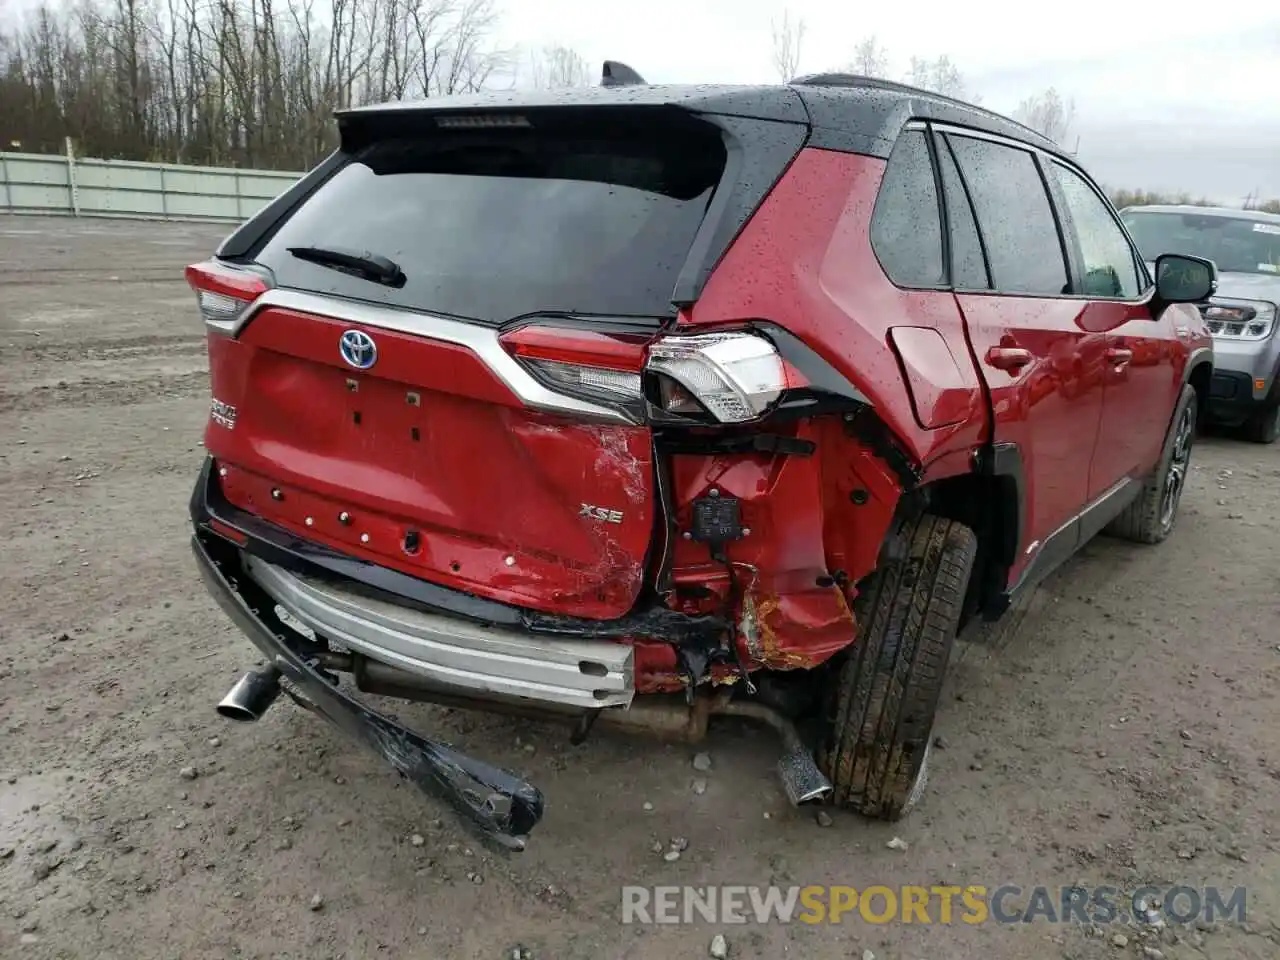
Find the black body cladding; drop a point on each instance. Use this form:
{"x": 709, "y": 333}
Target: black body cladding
{"x": 864, "y": 115}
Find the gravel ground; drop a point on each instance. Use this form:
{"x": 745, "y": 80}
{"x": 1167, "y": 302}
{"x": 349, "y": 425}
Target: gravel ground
{"x": 1118, "y": 729}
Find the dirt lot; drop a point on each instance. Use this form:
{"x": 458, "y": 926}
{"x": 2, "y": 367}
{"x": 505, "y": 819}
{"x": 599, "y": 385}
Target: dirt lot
{"x": 1120, "y": 730}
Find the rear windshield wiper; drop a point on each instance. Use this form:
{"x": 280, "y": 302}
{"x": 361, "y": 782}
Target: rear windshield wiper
{"x": 362, "y": 263}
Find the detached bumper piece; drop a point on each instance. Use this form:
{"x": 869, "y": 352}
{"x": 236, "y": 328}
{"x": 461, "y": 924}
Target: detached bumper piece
{"x": 500, "y": 806}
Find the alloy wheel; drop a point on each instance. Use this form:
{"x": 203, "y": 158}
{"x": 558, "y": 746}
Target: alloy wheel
{"x": 1176, "y": 475}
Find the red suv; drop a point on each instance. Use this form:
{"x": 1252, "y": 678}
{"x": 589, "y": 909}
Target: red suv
{"x": 642, "y": 404}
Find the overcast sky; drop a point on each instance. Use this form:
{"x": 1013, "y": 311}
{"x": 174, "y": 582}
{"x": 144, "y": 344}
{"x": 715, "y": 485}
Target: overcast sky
{"x": 1169, "y": 96}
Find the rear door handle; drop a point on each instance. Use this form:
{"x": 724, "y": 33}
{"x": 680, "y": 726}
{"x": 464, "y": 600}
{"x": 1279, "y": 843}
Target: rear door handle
{"x": 1119, "y": 357}
{"x": 1009, "y": 359}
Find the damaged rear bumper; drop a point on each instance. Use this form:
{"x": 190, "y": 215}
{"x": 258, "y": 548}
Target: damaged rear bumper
{"x": 499, "y": 805}
{"x": 451, "y": 653}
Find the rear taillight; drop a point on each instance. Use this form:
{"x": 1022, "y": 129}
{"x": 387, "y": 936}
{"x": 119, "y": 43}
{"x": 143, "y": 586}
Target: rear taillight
{"x": 727, "y": 377}
{"x": 579, "y": 378}
{"x": 601, "y": 366}
{"x": 733, "y": 376}
{"x": 224, "y": 292}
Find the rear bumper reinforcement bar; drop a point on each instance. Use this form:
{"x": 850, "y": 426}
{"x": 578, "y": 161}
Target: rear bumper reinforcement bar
{"x": 585, "y": 674}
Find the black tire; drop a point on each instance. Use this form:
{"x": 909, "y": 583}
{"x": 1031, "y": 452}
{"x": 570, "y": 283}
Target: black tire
{"x": 1264, "y": 426}
{"x": 1152, "y": 515}
{"x": 883, "y": 693}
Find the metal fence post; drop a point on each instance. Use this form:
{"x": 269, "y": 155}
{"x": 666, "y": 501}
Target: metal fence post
{"x": 71, "y": 179}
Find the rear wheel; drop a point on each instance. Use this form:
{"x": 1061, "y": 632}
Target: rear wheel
{"x": 1150, "y": 518}
{"x": 1264, "y": 426}
{"x": 883, "y": 694}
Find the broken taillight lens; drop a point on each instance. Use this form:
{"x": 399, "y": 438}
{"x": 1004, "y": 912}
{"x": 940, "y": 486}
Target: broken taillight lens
{"x": 734, "y": 376}
{"x": 224, "y": 292}
{"x": 725, "y": 377}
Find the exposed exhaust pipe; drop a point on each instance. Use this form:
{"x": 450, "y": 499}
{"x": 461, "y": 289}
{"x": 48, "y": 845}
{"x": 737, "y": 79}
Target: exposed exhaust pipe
{"x": 251, "y": 696}
{"x": 797, "y": 768}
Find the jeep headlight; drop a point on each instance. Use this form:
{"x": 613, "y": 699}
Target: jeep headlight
{"x": 1238, "y": 321}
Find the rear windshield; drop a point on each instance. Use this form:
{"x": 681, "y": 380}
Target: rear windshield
{"x": 1235, "y": 244}
{"x": 491, "y": 225}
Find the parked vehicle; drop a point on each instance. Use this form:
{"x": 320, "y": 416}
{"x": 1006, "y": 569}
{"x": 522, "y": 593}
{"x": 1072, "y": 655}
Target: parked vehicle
{"x": 1245, "y": 246}
{"x": 642, "y": 404}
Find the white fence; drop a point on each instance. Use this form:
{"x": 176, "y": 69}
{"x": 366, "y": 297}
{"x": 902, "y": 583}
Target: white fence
{"x": 70, "y": 186}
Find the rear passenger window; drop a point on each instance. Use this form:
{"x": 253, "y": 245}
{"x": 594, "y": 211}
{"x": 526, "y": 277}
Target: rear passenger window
{"x": 968, "y": 269}
{"x": 1109, "y": 267}
{"x": 1015, "y": 217}
{"x": 905, "y": 232}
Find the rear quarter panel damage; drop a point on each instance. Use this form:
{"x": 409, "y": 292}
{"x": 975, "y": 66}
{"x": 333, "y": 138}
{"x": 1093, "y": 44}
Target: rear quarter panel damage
{"x": 818, "y": 523}
{"x": 805, "y": 262}
{"x": 815, "y": 526}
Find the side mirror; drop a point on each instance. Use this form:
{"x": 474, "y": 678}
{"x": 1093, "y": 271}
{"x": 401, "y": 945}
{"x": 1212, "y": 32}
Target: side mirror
{"x": 1183, "y": 279}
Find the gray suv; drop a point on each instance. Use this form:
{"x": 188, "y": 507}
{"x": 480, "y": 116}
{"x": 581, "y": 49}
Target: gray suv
{"x": 1245, "y": 244}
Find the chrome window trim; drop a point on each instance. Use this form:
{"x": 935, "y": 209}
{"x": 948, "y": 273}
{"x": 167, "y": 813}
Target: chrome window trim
{"x": 959, "y": 131}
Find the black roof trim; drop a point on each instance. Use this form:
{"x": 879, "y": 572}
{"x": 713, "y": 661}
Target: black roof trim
{"x": 986, "y": 119}
{"x": 865, "y": 115}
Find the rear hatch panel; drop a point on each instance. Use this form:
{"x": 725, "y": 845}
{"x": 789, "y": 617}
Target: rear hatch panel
{"x": 432, "y": 466}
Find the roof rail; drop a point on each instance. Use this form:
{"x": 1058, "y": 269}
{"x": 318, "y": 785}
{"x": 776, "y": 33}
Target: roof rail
{"x": 857, "y": 80}
{"x": 617, "y": 74}
{"x": 832, "y": 80}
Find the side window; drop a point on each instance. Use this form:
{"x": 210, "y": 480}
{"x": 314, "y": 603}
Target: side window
{"x": 1014, "y": 213}
{"x": 1109, "y": 269}
{"x": 968, "y": 268}
{"x": 905, "y": 232}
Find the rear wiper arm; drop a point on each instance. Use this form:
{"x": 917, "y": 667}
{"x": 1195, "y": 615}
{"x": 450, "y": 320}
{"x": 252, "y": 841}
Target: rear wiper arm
{"x": 362, "y": 263}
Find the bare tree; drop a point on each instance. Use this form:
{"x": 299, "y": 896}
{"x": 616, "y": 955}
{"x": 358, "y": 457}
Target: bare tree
{"x": 939, "y": 75}
{"x": 558, "y": 66}
{"x": 870, "y": 59}
{"x": 244, "y": 82}
{"x": 788, "y": 38}
{"x": 1048, "y": 113}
